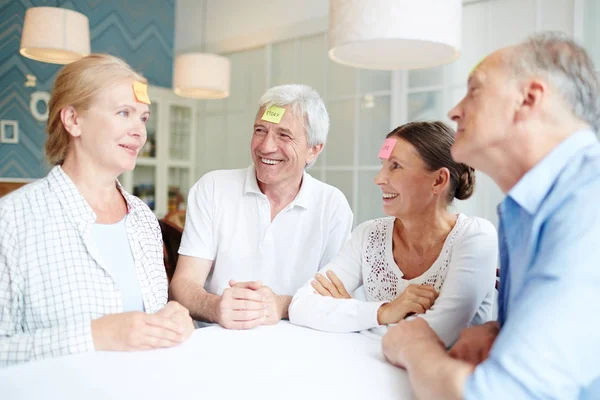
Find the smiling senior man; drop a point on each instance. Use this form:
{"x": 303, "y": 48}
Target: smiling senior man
{"x": 253, "y": 236}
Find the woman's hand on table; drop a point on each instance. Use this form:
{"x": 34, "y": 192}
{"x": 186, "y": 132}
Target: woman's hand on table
{"x": 330, "y": 286}
{"x": 180, "y": 315}
{"x": 136, "y": 330}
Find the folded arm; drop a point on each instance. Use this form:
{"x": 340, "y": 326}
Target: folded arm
{"x": 311, "y": 309}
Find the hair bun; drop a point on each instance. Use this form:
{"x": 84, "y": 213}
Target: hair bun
{"x": 466, "y": 184}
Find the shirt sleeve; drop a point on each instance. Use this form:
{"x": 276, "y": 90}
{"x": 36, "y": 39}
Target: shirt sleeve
{"x": 198, "y": 234}
{"x": 17, "y": 346}
{"x": 471, "y": 276}
{"x": 340, "y": 228}
{"x": 548, "y": 346}
{"x": 313, "y": 310}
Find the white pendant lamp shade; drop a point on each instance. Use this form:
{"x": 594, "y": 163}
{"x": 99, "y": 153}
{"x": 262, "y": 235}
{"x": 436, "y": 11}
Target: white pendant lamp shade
{"x": 201, "y": 76}
{"x": 55, "y": 35}
{"x": 394, "y": 34}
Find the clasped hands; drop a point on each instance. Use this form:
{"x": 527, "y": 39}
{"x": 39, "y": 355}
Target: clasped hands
{"x": 245, "y": 305}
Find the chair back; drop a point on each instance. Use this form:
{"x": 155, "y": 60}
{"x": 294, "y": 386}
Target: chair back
{"x": 171, "y": 235}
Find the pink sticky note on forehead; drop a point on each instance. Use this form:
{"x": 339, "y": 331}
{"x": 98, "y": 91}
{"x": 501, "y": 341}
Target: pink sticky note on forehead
{"x": 387, "y": 148}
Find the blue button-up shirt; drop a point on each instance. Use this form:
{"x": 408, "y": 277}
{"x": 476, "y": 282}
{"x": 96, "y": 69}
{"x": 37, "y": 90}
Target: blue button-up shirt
{"x": 549, "y": 300}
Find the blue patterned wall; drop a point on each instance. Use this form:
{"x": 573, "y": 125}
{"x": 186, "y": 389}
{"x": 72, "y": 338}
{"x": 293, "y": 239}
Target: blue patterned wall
{"x": 139, "y": 31}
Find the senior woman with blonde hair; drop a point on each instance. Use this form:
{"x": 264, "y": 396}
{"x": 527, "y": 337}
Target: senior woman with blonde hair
{"x": 81, "y": 265}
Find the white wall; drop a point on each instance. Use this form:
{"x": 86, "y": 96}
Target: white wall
{"x": 188, "y": 24}
{"x": 233, "y": 25}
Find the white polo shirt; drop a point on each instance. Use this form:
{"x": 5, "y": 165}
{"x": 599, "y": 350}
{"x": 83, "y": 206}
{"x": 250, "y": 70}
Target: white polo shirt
{"x": 229, "y": 221}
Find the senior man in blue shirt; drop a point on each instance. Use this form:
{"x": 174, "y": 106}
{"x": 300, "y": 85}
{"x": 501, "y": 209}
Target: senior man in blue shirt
{"x": 528, "y": 120}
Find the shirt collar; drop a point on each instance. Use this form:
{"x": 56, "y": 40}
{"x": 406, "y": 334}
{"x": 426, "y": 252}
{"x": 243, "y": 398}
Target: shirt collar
{"x": 533, "y": 187}
{"x": 303, "y": 197}
{"x": 72, "y": 200}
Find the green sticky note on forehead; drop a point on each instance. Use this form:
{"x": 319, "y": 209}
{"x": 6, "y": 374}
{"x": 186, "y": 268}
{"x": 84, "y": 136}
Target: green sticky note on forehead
{"x": 273, "y": 114}
{"x": 476, "y": 65}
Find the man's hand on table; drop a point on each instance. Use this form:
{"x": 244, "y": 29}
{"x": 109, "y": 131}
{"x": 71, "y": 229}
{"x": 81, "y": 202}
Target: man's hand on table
{"x": 241, "y": 306}
{"x": 136, "y": 330}
{"x": 408, "y": 338}
{"x": 245, "y": 305}
{"x": 474, "y": 343}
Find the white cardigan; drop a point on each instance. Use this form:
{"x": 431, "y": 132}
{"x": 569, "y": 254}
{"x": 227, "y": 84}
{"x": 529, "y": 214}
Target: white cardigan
{"x": 464, "y": 273}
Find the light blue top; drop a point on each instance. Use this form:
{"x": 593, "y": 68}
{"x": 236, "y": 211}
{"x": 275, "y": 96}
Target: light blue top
{"x": 114, "y": 249}
{"x": 549, "y": 301}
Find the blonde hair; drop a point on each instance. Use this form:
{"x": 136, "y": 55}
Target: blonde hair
{"x": 76, "y": 85}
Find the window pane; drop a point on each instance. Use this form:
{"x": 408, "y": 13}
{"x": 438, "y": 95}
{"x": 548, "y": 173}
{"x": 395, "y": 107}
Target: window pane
{"x": 283, "y": 63}
{"x": 370, "y": 203}
{"x": 591, "y": 30}
{"x": 239, "y": 86}
{"x": 340, "y": 143}
{"x": 215, "y": 142}
{"x": 341, "y": 80}
{"x": 239, "y": 134}
{"x": 510, "y": 22}
{"x": 374, "y": 126}
{"x": 258, "y": 83}
{"x": 374, "y": 81}
{"x": 425, "y": 106}
{"x": 180, "y": 132}
{"x": 214, "y": 105}
{"x": 426, "y": 77}
{"x": 311, "y": 62}
{"x": 342, "y": 180}
{"x": 474, "y": 42}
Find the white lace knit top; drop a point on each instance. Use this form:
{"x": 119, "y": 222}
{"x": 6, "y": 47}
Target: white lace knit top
{"x": 383, "y": 279}
{"x": 463, "y": 273}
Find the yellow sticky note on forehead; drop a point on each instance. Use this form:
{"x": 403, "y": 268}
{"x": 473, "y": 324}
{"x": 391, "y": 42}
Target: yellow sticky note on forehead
{"x": 140, "y": 90}
{"x": 273, "y": 114}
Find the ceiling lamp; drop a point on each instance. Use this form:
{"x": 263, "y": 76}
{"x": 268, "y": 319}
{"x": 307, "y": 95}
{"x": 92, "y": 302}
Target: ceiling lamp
{"x": 201, "y": 76}
{"x": 55, "y": 35}
{"x": 394, "y": 34}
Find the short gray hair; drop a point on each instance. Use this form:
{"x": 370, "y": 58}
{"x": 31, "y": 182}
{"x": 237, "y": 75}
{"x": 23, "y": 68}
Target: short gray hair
{"x": 307, "y": 104}
{"x": 567, "y": 66}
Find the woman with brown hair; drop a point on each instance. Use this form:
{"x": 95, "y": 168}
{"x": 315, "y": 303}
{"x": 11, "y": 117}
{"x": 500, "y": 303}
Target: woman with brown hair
{"x": 422, "y": 260}
{"x": 81, "y": 260}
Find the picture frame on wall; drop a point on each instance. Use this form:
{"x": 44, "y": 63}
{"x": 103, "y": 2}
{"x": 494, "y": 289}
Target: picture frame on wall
{"x": 9, "y": 132}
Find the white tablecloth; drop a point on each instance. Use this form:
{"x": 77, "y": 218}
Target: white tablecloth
{"x": 270, "y": 362}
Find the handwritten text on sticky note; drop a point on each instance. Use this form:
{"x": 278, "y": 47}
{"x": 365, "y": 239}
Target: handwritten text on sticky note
{"x": 273, "y": 114}
{"x": 387, "y": 148}
{"x": 141, "y": 92}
